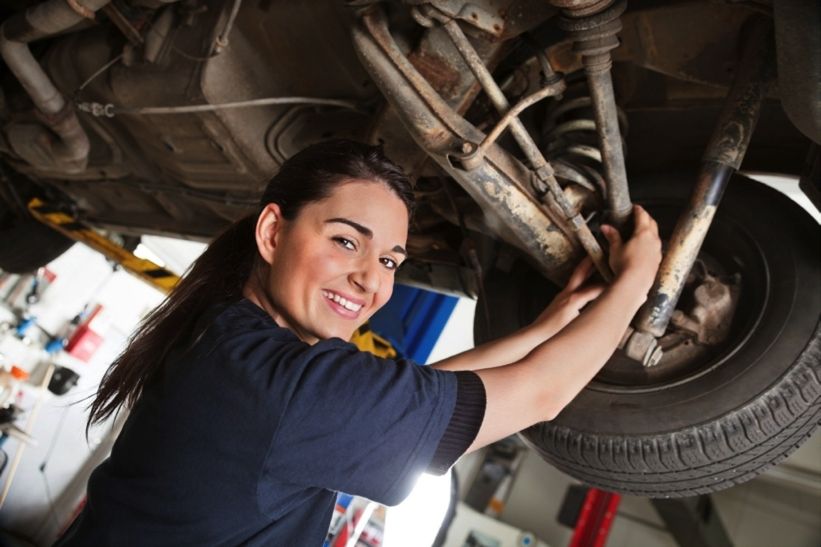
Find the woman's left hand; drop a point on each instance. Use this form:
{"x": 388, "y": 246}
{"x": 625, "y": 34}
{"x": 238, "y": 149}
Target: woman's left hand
{"x": 567, "y": 305}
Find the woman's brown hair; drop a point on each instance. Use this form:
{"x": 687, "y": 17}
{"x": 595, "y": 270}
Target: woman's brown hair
{"x": 221, "y": 272}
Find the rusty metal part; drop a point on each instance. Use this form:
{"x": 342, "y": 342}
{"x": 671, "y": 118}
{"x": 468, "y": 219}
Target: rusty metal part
{"x": 473, "y": 158}
{"x": 593, "y": 26}
{"x": 642, "y": 347}
{"x": 722, "y": 157}
{"x": 70, "y": 151}
{"x": 473, "y": 14}
{"x": 714, "y": 304}
{"x": 544, "y": 175}
{"x": 496, "y": 184}
{"x": 570, "y": 140}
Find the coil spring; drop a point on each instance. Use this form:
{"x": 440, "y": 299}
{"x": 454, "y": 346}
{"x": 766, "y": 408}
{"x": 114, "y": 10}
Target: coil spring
{"x": 569, "y": 139}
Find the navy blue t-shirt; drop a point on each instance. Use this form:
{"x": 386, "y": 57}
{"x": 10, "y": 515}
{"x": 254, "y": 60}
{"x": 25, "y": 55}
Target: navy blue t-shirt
{"x": 249, "y": 432}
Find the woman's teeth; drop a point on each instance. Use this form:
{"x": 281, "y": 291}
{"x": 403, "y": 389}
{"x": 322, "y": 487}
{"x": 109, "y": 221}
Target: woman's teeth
{"x": 342, "y": 302}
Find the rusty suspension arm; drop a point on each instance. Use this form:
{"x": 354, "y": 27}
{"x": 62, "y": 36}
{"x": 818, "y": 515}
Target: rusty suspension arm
{"x": 541, "y": 167}
{"x": 497, "y": 181}
{"x": 723, "y": 156}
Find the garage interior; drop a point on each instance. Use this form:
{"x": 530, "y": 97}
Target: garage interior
{"x": 126, "y": 124}
{"x": 506, "y": 494}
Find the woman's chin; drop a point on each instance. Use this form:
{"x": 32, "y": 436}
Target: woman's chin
{"x": 328, "y": 332}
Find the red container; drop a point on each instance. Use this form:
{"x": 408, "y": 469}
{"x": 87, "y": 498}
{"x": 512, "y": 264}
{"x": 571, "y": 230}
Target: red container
{"x": 84, "y": 343}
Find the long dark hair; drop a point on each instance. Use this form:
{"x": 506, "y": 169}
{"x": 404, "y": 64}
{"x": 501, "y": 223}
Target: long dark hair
{"x": 222, "y": 271}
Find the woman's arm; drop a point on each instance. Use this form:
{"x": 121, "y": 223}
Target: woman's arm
{"x": 509, "y": 349}
{"x": 537, "y": 387}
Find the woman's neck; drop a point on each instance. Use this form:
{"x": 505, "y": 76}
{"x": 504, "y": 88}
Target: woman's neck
{"x": 253, "y": 292}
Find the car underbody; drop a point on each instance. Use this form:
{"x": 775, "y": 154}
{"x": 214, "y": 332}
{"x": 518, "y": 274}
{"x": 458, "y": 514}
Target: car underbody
{"x": 520, "y": 122}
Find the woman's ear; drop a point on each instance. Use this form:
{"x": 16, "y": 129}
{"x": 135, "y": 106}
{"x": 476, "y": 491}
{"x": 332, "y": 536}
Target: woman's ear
{"x": 269, "y": 224}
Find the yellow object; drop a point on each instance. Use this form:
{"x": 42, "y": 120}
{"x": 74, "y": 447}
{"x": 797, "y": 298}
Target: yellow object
{"x": 367, "y": 340}
{"x": 69, "y": 226}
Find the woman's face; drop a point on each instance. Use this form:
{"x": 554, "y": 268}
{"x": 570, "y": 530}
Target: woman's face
{"x": 332, "y": 267}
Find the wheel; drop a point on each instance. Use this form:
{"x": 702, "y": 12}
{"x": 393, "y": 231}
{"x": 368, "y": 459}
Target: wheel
{"x": 27, "y": 243}
{"x": 714, "y": 415}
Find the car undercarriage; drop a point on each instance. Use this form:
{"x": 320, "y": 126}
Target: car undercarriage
{"x": 524, "y": 125}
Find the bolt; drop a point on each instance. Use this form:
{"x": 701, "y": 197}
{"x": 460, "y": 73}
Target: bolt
{"x": 467, "y": 147}
{"x": 653, "y": 357}
{"x": 643, "y": 347}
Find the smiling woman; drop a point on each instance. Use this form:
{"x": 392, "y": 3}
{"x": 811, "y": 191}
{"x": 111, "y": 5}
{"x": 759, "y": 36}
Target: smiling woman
{"x": 346, "y": 256}
{"x": 249, "y": 409}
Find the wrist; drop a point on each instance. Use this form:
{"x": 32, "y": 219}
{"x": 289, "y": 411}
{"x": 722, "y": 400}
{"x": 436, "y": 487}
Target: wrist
{"x": 539, "y": 331}
{"x": 634, "y": 286}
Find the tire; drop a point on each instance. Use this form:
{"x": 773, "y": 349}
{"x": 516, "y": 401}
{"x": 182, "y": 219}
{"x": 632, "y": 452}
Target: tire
{"x": 732, "y": 414}
{"x": 28, "y": 244}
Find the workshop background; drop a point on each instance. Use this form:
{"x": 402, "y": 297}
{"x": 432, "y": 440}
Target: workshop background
{"x": 507, "y": 495}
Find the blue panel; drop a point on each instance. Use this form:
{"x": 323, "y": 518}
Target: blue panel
{"x": 412, "y": 320}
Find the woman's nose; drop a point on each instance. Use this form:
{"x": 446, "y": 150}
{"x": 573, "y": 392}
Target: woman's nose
{"x": 366, "y": 278}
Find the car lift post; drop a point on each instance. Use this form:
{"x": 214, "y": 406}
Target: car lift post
{"x": 595, "y": 518}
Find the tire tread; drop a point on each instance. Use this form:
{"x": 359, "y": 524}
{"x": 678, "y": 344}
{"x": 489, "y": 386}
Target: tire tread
{"x": 702, "y": 458}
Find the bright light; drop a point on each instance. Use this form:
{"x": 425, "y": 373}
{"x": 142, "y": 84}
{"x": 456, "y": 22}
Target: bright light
{"x": 416, "y": 521}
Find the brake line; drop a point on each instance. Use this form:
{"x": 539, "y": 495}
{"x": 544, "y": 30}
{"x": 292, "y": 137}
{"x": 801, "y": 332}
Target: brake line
{"x": 109, "y": 110}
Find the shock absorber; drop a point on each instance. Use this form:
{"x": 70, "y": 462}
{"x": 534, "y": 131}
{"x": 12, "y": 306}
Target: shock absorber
{"x": 593, "y": 25}
{"x": 569, "y": 138}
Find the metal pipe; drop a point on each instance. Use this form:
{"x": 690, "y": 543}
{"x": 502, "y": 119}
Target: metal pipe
{"x": 607, "y": 127}
{"x": 722, "y": 158}
{"x": 221, "y": 41}
{"x": 541, "y": 167}
{"x": 593, "y": 26}
{"x": 70, "y": 152}
{"x": 109, "y": 110}
{"x": 549, "y": 90}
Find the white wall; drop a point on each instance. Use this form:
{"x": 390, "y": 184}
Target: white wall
{"x": 83, "y": 276}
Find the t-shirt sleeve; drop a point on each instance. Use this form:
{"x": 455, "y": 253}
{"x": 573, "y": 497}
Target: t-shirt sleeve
{"x": 464, "y": 424}
{"x": 349, "y": 421}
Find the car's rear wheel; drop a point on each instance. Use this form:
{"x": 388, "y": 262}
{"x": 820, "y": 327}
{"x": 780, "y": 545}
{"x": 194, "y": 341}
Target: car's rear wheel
{"x": 710, "y": 416}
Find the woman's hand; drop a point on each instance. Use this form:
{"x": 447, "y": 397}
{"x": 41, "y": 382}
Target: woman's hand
{"x": 567, "y": 305}
{"x": 636, "y": 261}
{"x": 541, "y": 384}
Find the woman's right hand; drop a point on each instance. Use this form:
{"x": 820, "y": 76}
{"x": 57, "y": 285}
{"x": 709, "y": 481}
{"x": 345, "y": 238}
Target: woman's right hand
{"x": 636, "y": 260}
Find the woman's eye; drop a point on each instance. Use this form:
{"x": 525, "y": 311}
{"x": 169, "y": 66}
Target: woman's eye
{"x": 345, "y": 242}
{"x": 390, "y": 263}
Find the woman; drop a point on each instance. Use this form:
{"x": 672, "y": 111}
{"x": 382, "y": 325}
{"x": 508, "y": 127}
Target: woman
{"x": 249, "y": 409}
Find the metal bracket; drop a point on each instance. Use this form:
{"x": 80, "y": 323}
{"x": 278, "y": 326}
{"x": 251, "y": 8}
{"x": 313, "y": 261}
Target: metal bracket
{"x": 471, "y": 13}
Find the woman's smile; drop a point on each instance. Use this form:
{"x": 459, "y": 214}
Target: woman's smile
{"x": 346, "y": 306}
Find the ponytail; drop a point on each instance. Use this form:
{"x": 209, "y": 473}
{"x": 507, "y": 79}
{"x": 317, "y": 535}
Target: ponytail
{"x": 218, "y": 275}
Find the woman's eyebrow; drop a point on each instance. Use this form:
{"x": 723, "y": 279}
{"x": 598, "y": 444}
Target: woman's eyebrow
{"x": 367, "y": 232}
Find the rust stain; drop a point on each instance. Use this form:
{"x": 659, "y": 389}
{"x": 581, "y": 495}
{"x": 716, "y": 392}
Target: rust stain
{"x": 683, "y": 252}
{"x": 437, "y": 72}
